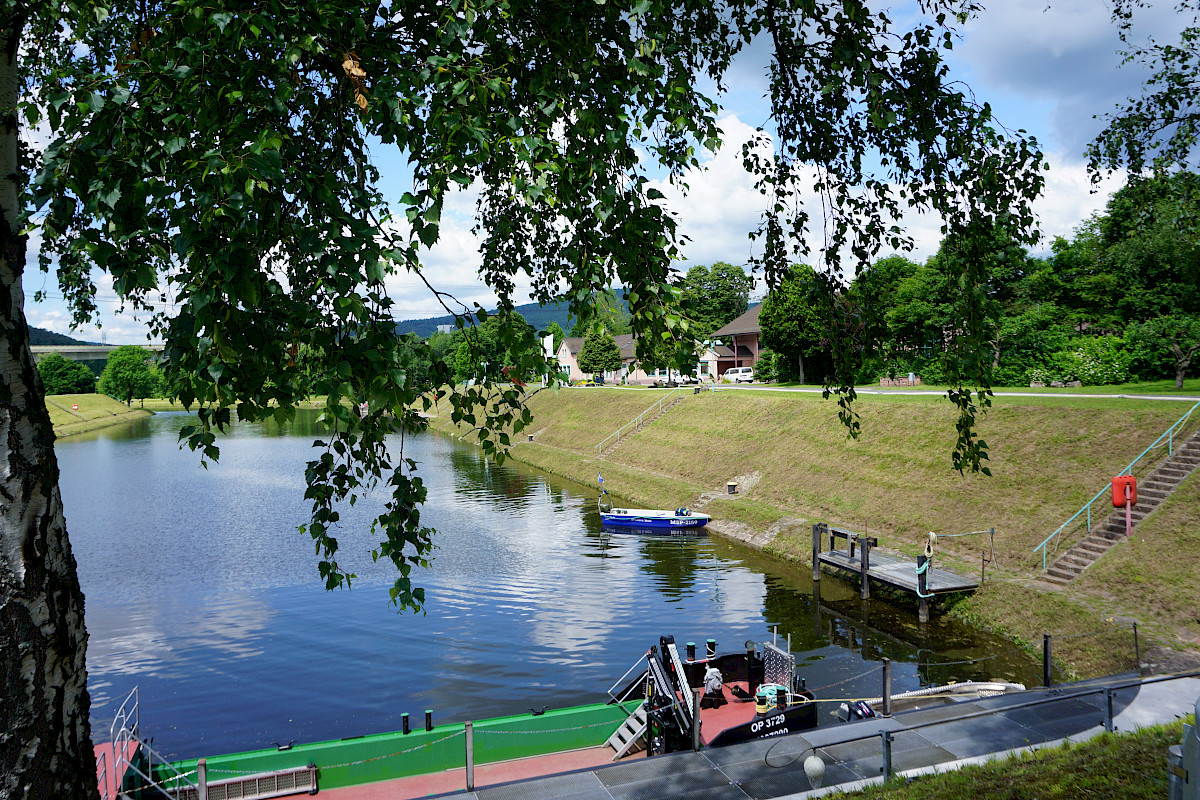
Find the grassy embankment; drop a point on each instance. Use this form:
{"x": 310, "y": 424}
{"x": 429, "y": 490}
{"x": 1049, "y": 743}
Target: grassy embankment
{"x": 1048, "y": 455}
{"x": 1129, "y": 765}
{"x": 94, "y": 411}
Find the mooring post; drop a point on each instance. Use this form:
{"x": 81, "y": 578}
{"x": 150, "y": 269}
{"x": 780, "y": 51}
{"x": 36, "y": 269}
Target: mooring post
{"x": 887, "y": 687}
{"x": 922, "y": 589}
{"x": 470, "y": 731}
{"x": 887, "y": 755}
{"x": 202, "y": 779}
{"x": 1137, "y": 652}
{"x": 696, "y": 720}
{"x": 864, "y": 564}
{"x": 817, "y": 552}
{"x": 1047, "y": 662}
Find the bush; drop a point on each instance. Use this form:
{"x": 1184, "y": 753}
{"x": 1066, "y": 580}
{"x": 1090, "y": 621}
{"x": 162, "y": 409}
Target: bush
{"x": 60, "y": 375}
{"x": 765, "y": 369}
{"x": 1094, "y": 361}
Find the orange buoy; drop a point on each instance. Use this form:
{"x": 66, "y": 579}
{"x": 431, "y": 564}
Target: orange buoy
{"x": 1118, "y": 490}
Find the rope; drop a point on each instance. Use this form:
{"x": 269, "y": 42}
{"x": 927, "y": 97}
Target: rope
{"x": 922, "y": 569}
{"x": 956, "y": 535}
{"x": 1059, "y": 637}
{"x": 972, "y": 660}
{"x": 871, "y": 671}
{"x": 552, "y": 730}
{"x": 174, "y": 780}
{"x": 349, "y": 763}
{"x": 771, "y": 749}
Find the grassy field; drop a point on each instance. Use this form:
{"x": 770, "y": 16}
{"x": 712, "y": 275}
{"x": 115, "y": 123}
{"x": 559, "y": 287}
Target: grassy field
{"x": 1049, "y": 455}
{"x": 79, "y": 413}
{"x": 1126, "y": 765}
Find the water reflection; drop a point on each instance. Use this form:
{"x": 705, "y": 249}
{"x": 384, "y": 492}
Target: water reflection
{"x": 200, "y": 590}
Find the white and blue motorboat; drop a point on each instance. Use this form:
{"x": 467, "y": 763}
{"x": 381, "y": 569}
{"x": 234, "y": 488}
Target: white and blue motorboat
{"x": 647, "y": 518}
{"x": 654, "y": 518}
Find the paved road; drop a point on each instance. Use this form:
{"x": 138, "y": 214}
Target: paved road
{"x": 766, "y": 387}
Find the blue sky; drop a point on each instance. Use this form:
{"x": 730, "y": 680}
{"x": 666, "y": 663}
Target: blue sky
{"x": 1045, "y": 68}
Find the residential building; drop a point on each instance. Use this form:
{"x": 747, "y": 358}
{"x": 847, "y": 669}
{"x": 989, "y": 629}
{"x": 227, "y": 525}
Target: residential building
{"x": 742, "y": 337}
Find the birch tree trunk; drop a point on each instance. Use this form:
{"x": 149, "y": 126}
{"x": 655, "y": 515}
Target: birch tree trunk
{"x": 45, "y": 742}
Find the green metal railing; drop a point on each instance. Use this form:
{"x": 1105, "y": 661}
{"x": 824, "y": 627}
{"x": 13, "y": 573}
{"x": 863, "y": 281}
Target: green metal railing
{"x": 1168, "y": 436}
{"x": 634, "y": 425}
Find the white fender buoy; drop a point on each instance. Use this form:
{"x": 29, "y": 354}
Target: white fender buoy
{"x": 814, "y": 768}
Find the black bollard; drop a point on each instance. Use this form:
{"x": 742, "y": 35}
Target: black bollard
{"x": 1047, "y": 661}
{"x": 428, "y": 719}
{"x": 691, "y": 651}
{"x": 404, "y": 724}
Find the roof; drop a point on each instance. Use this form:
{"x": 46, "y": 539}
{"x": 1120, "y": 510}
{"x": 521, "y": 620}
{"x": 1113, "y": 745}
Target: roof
{"x": 624, "y": 342}
{"x": 746, "y": 323}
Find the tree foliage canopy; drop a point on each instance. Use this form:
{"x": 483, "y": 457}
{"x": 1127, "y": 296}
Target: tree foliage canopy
{"x": 713, "y": 296}
{"x": 214, "y": 159}
{"x": 599, "y": 353}
{"x": 129, "y": 373}
{"x": 61, "y": 375}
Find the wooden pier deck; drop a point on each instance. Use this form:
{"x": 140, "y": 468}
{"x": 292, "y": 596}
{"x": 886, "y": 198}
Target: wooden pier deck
{"x": 901, "y": 573}
{"x": 894, "y": 571}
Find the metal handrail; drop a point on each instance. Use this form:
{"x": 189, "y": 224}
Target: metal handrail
{"x": 886, "y": 736}
{"x": 124, "y": 731}
{"x": 637, "y": 421}
{"x": 102, "y": 774}
{"x": 179, "y": 780}
{"x": 1169, "y": 435}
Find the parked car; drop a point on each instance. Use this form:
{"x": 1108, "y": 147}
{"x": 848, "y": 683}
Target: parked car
{"x": 739, "y": 374}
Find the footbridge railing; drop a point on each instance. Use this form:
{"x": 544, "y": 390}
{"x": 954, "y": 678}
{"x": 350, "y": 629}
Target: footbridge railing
{"x": 1168, "y": 437}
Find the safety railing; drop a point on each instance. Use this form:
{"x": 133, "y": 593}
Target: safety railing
{"x": 1168, "y": 436}
{"x": 886, "y": 737}
{"x": 127, "y": 743}
{"x": 636, "y": 423}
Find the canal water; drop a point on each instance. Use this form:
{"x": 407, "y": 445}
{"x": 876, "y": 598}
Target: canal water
{"x": 201, "y": 592}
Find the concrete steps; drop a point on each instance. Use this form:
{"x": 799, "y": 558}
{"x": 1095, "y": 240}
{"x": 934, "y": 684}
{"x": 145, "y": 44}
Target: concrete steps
{"x": 1156, "y": 487}
{"x": 646, "y": 423}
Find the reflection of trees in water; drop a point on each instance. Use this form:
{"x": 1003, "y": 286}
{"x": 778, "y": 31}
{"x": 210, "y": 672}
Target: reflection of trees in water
{"x": 304, "y": 424}
{"x": 483, "y": 480}
{"x": 878, "y": 630}
{"x": 672, "y": 564}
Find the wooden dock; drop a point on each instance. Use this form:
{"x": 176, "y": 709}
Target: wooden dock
{"x": 859, "y": 558}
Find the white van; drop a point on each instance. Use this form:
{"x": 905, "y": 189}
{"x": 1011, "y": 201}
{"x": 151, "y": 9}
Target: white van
{"x": 739, "y": 374}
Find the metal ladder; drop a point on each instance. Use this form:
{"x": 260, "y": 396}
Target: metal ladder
{"x": 664, "y": 686}
{"x": 630, "y": 737}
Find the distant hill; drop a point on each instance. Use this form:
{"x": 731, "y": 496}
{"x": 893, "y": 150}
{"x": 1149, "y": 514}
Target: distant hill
{"x": 537, "y": 316}
{"x": 38, "y": 336}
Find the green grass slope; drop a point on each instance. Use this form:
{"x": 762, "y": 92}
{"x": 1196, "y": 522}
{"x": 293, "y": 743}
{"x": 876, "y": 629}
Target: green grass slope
{"x": 78, "y": 413}
{"x": 1048, "y": 457}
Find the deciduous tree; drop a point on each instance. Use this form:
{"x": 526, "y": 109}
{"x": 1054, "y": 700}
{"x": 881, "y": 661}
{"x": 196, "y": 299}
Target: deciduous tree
{"x": 214, "y": 158}
{"x": 128, "y": 373}
{"x": 599, "y": 354}
{"x": 714, "y": 296}
{"x": 1173, "y": 339}
{"x": 61, "y": 375}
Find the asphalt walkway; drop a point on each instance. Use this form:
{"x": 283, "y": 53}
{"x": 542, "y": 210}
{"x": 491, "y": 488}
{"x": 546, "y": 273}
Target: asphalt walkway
{"x": 937, "y": 738}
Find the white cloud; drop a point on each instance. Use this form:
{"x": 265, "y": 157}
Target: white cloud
{"x": 1052, "y": 67}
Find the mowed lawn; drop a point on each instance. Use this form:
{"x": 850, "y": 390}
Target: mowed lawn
{"x": 1048, "y": 457}
{"x": 76, "y": 413}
